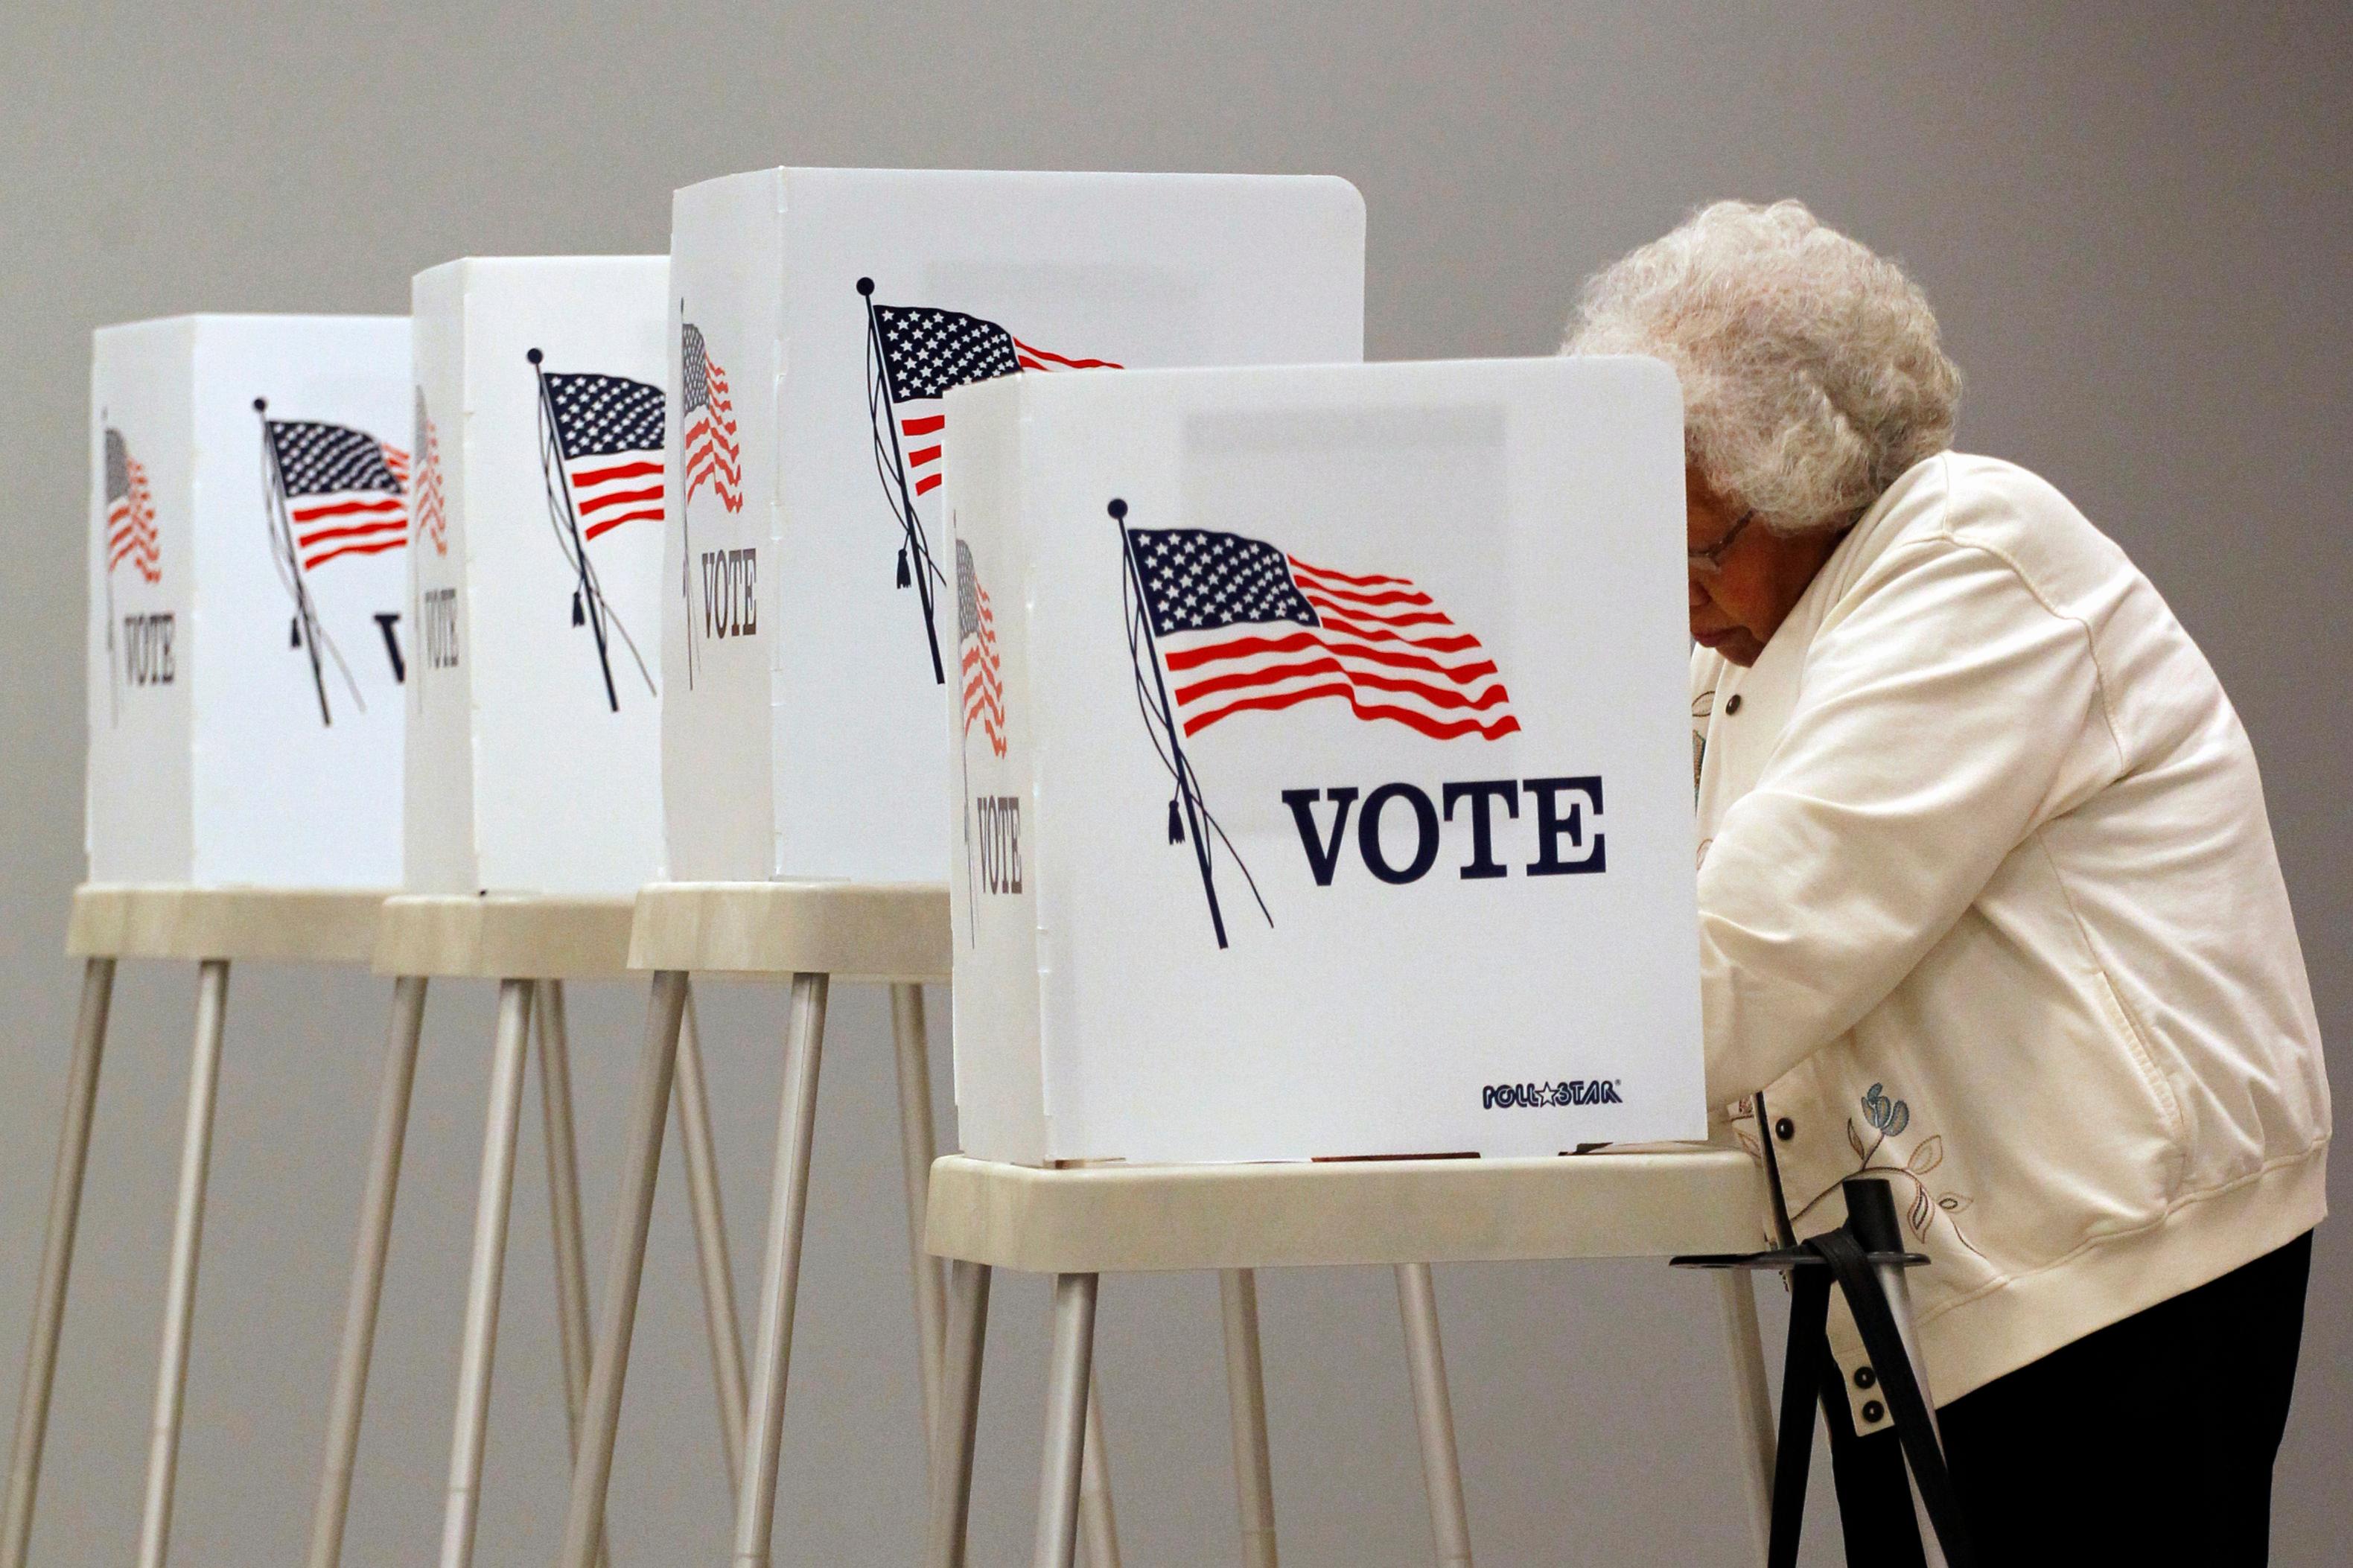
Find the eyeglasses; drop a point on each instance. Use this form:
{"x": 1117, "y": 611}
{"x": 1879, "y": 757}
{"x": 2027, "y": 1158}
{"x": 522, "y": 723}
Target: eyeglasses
{"x": 1711, "y": 559}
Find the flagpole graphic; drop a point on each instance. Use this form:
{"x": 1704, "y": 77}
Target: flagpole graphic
{"x": 982, "y": 671}
{"x": 332, "y": 492}
{"x": 1189, "y": 814}
{"x": 113, "y": 681}
{"x": 305, "y": 631}
{"x": 426, "y": 520}
{"x": 914, "y": 550}
{"x": 915, "y": 355}
{"x": 128, "y": 533}
{"x": 600, "y": 457}
{"x": 709, "y": 452}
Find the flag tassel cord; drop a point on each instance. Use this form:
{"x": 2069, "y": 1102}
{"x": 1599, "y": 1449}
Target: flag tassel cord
{"x": 1187, "y": 791}
{"x": 1180, "y": 767}
{"x": 289, "y": 560}
{"x": 915, "y": 546}
{"x": 587, "y": 597}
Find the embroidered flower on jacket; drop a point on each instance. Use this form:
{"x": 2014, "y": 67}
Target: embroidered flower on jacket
{"x": 1888, "y": 1119}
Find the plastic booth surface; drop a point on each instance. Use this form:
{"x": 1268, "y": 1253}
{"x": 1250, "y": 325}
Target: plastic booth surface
{"x": 535, "y": 691}
{"x": 1322, "y": 787}
{"x": 818, "y": 317}
{"x": 249, "y": 519}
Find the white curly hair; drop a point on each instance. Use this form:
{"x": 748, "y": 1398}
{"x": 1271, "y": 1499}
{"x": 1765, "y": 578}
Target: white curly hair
{"x": 1811, "y": 372}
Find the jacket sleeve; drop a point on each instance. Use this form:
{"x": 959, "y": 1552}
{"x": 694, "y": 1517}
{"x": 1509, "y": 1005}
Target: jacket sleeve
{"x": 1942, "y": 717}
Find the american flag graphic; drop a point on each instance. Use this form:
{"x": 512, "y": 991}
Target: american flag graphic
{"x": 345, "y": 490}
{"x": 925, "y": 353}
{"x": 428, "y": 511}
{"x": 609, "y": 430}
{"x": 710, "y": 449}
{"x": 129, "y": 513}
{"x": 1240, "y": 624}
{"x": 984, "y": 686}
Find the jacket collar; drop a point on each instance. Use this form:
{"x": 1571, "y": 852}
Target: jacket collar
{"x": 1737, "y": 749}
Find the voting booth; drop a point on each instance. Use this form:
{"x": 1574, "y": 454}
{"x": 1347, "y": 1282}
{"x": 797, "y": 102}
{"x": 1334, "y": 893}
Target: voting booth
{"x": 534, "y": 692}
{"x": 1321, "y": 786}
{"x": 248, "y": 519}
{"x": 819, "y": 316}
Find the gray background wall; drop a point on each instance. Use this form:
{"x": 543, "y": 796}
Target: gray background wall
{"x": 2133, "y": 219}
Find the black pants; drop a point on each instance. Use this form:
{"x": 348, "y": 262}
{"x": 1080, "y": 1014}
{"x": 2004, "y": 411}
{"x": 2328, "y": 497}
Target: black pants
{"x": 2150, "y": 1441}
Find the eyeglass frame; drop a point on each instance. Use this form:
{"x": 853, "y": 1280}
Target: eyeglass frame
{"x": 1710, "y": 558}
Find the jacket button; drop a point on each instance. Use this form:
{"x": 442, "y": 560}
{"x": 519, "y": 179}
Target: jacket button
{"x": 1872, "y": 1410}
{"x": 1864, "y": 1377}
{"x": 1732, "y": 704}
{"x": 1784, "y": 1129}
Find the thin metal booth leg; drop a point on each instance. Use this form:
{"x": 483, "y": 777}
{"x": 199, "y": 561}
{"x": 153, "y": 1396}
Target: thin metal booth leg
{"x": 57, "y": 1261}
{"x": 564, "y": 1208}
{"x": 592, "y": 1465}
{"x": 918, "y": 1145}
{"x": 710, "y": 1252}
{"x": 1098, "y": 1524}
{"x": 1246, "y": 1402}
{"x": 1752, "y": 1401}
{"x": 952, "y": 1438}
{"x": 1441, "y": 1469}
{"x": 374, "y": 1245}
{"x": 502, "y": 1126}
{"x": 187, "y": 1242}
{"x": 755, "y": 1502}
{"x": 1067, "y": 1378}
{"x": 1898, "y": 1291}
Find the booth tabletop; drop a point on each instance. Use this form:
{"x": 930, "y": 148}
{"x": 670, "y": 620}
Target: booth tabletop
{"x": 895, "y": 932}
{"x": 1116, "y": 1218}
{"x": 313, "y": 925}
{"x": 504, "y": 937}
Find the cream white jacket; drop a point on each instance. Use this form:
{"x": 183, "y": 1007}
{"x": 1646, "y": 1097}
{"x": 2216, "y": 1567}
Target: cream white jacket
{"x": 1989, "y": 902}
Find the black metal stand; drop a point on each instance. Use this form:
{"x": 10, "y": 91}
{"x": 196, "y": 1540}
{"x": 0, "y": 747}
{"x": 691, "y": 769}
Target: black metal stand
{"x": 1865, "y": 1258}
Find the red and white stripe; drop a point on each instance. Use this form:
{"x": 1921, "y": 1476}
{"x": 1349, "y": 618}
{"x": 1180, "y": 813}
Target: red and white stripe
{"x": 1385, "y": 648}
{"x": 984, "y": 687}
{"x": 617, "y": 488}
{"x": 353, "y": 522}
{"x": 431, "y": 511}
{"x": 710, "y": 452}
{"x": 130, "y": 532}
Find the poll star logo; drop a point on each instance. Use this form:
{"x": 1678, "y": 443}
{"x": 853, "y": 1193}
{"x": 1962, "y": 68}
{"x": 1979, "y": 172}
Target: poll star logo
{"x": 1219, "y": 624}
{"x": 915, "y": 355}
{"x": 600, "y": 464}
{"x": 330, "y": 492}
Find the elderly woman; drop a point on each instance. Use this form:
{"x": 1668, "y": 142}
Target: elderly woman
{"x": 1987, "y": 903}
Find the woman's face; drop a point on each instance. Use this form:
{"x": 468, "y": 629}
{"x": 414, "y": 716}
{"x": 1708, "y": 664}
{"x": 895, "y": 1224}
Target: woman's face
{"x": 1741, "y": 589}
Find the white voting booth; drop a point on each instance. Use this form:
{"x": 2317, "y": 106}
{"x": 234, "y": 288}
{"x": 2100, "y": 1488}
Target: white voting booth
{"x": 533, "y": 778}
{"x": 534, "y": 709}
{"x": 247, "y": 583}
{"x": 819, "y": 315}
{"x": 248, "y": 531}
{"x": 1322, "y": 787}
{"x": 1321, "y": 800}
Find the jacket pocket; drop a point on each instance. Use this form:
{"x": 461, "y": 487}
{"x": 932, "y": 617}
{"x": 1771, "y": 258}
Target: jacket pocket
{"x": 2162, "y": 1100}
